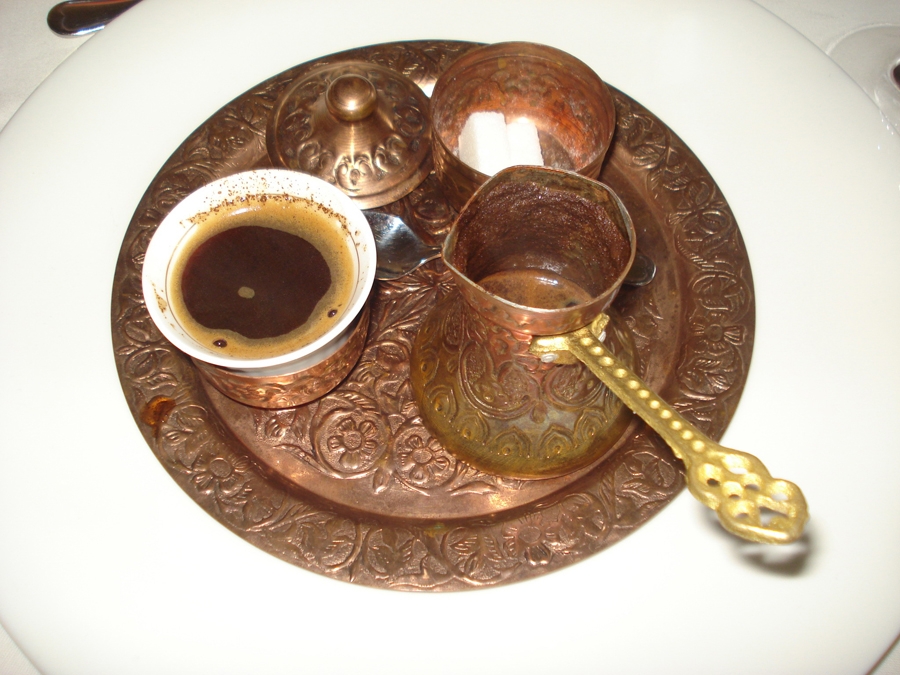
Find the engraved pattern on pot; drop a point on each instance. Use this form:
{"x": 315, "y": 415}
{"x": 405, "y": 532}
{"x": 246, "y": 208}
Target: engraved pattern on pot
{"x": 481, "y": 387}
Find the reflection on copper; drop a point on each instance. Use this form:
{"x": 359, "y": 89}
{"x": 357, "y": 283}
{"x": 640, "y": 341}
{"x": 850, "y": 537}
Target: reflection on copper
{"x": 365, "y": 446}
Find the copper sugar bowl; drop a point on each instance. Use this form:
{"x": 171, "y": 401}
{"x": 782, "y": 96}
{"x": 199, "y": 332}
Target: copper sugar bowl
{"x": 572, "y": 109}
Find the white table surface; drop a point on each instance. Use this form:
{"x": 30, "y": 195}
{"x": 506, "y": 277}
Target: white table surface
{"x": 29, "y": 53}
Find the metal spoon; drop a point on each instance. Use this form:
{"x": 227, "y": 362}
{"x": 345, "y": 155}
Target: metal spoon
{"x": 401, "y": 250}
{"x": 81, "y": 17}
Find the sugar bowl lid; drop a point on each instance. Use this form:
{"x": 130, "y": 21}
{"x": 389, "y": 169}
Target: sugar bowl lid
{"x": 361, "y": 126}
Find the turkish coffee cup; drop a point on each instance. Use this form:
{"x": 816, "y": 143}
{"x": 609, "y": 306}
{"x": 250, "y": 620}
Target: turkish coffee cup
{"x": 263, "y": 279}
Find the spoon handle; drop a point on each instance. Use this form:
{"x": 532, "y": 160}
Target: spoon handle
{"x": 736, "y": 485}
{"x": 80, "y": 17}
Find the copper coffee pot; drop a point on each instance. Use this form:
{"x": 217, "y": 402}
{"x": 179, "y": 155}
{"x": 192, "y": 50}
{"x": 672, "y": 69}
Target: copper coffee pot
{"x": 538, "y": 255}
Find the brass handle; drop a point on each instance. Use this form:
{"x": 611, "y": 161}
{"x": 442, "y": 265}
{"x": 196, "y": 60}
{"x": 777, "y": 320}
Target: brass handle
{"x": 736, "y": 485}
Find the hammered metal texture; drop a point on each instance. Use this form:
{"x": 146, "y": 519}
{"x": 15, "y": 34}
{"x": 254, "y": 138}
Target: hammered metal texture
{"x": 692, "y": 328}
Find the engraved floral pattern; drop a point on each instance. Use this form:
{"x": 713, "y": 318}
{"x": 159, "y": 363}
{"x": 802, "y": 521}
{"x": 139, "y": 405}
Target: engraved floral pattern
{"x": 422, "y": 461}
{"x": 352, "y": 446}
{"x": 302, "y": 113}
{"x": 483, "y": 390}
{"x": 383, "y": 442}
{"x": 527, "y": 540}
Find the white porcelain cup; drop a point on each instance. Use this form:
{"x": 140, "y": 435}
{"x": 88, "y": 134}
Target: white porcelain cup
{"x": 183, "y": 228}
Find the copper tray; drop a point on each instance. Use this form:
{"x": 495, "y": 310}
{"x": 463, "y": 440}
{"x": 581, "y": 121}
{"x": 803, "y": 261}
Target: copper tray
{"x": 404, "y": 514}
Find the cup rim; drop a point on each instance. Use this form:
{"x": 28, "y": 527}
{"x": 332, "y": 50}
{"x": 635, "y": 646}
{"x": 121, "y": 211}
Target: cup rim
{"x": 274, "y": 182}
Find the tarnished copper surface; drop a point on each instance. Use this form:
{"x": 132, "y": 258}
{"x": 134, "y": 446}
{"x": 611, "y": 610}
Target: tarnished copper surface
{"x": 365, "y": 446}
{"x": 479, "y": 389}
{"x": 360, "y": 126}
{"x": 496, "y": 406}
{"x": 572, "y": 108}
{"x": 692, "y": 329}
{"x": 507, "y": 226}
{"x": 291, "y": 389}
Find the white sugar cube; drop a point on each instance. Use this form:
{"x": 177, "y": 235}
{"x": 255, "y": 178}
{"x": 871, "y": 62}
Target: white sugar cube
{"x": 487, "y": 143}
{"x": 483, "y": 143}
{"x": 524, "y": 145}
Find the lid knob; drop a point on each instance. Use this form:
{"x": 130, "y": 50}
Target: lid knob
{"x": 351, "y": 97}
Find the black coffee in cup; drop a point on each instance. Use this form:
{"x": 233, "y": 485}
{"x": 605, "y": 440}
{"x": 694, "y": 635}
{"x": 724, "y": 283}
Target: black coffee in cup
{"x": 262, "y": 277}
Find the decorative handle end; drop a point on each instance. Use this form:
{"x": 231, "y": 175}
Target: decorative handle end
{"x": 749, "y": 502}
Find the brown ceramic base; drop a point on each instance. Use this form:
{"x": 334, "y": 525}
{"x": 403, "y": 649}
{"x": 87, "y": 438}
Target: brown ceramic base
{"x": 423, "y": 521}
